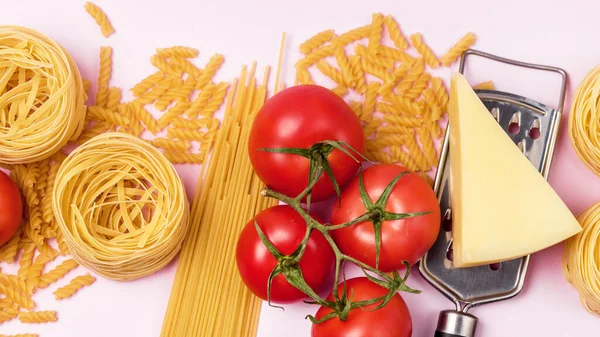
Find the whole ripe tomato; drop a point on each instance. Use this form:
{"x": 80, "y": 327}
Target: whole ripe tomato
{"x": 285, "y": 229}
{"x": 300, "y": 117}
{"x": 11, "y": 208}
{"x": 393, "y": 320}
{"x": 405, "y": 239}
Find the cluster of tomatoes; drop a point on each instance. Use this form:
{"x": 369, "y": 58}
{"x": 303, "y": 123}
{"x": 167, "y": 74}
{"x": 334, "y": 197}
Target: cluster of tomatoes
{"x": 306, "y": 145}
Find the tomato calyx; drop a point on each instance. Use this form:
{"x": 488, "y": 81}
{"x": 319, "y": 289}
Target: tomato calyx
{"x": 287, "y": 265}
{"x": 317, "y": 156}
{"x": 376, "y": 212}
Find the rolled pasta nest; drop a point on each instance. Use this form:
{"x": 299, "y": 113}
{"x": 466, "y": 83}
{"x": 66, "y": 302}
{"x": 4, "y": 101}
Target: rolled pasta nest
{"x": 42, "y": 101}
{"x": 581, "y": 259}
{"x": 584, "y": 121}
{"x": 121, "y": 206}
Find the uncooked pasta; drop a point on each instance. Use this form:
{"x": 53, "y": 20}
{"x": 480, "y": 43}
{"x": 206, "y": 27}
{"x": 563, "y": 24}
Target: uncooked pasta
{"x": 121, "y": 207}
{"x": 42, "y": 108}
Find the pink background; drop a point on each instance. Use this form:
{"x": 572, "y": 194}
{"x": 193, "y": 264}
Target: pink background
{"x": 563, "y": 35}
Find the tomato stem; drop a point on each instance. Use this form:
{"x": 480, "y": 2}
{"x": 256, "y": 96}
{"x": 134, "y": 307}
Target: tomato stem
{"x": 375, "y": 212}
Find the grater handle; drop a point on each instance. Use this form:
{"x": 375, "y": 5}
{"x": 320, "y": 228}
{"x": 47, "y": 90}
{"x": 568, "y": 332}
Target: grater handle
{"x": 454, "y": 323}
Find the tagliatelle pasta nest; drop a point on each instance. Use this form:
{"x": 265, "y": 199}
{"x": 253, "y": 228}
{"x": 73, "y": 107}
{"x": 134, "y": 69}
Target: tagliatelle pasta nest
{"x": 121, "y": 207}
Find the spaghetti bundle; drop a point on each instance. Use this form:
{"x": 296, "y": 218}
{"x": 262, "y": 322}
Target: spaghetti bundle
{"x": 41, "y": 96}
{"x": 121, "y": 207}
{"x": 584, "y": 121}
{"x": 581, "y": 259}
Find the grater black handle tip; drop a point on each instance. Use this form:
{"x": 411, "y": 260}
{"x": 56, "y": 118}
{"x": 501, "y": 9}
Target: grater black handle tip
{"x": 454, "y": 323}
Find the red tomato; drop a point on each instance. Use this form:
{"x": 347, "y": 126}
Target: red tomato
{"x": 406, "y": 239}
{"x": 300, "y": 117}
{"x": 11, "y": 208}
{"x": 393, "y": 320}
{"x": 285, "y": 229}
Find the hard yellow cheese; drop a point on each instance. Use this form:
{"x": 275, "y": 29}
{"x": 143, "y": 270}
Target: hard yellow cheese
{"x": 502, "y": 207}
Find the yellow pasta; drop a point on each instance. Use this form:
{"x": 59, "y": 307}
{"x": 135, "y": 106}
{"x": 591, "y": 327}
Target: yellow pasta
{"x": 580, "y": 259}
{"x": 143, "y": 115}
{"x": 318, "y": 54}
{"x": 370, "y": 98}
{"x": 37, "y": 316}
{"x": 104, "y": 76}
{"x": 216, "y": 100}
{"x": 73, "y": 287}
{"x": 377, "y": 71}
{"x": 205, "y": 122}
{"x": 112, "y": 117}
{"x": 172, "y": 145}
{"x": 177, "y": 51}
{"x": 210, "y": 70}
{"x": 173, "y": 113}
{"x": 8, "y": 314}
{"x": 424, "y": 50}
{"x": 21, "y": 334}
{"x": 303, "y": 76}
{"x": 164, "y": 66}
{"x": 416, "y": 154}
{"x": 184, "y": 157}
{"x": 100, "y": 17}
{"x": 9, "y": 251}
{"x": 181, "y": 64}
{"x": 114, "y": 98}
{"x": 376, "y": 31}
{"x": 57, "y": 273}
{"x": 428, "y": 147}
{"x": 353, "y": 35}
{"x": 208, "y": 212}
{"x": 316, "y": 41}
{"x": 403, "y": 158}
{"x": 140, "y": 236}
{"x": 16, "y": 296}
{"x": 379, "y": 156}
{"x": 344, "y": 64}
{"x": 358, "y": 74}
{"x": 331, "y": 72}
{"x": 186, "y": 134}
{"x": 41, "y": 114}
{"x": 147, "y": 83}
{"x": 456, "y": 51}
{"x": 418, "y": 86}
{"x": 394, "y": 54}
{"x": 413, "y": 74}
{"x": 340, "y": 90}
{"x": 395, "y": 33}
{"x": 86, "y": 86}
{"x": 403, "y": 120}
{"x": 440, "y": 92}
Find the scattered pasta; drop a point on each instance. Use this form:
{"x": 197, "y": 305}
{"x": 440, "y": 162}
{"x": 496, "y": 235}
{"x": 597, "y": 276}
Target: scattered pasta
{"x": 74, "y": 286}
{"x": 402, "y": 102}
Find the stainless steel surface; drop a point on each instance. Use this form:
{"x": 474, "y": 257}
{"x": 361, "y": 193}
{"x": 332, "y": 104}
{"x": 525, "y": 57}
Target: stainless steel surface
{"x": 457, "y": 323}
{"x": 468, "y": 287}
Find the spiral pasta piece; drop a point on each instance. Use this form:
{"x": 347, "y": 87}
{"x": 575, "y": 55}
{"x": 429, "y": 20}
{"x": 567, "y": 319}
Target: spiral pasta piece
{"x": 37, "y": 316}
{"x": 395, "y": 34}
{"x": 376, "y": 31}
{"x": 413, "y": 74}
{"x": 146, "y": 117}
{"x": 216, "y": 100}
{"x": 371, "y": 57}
{"x": 353, "y": 35}
{"x": 377, "y": 71}
{"x": 316, "y": 41}
{"x": 370, "y": 98}
{"x": 74, "y": 286}
{"x": 177, "y": 51}
{"x": 44, "y": 109}
{"x": 147, "y": 83}
{"x": 186, "y": 134}
{"x": 210, "y": 70}
{"x": 331, "y": 72}
{"x": 9, "y": 251}
{"x": 317, "y": 55}
{"x": 403, "y": 158}
{"x": 424, "y": 50}
{"x": 379, "y": 156}
{"x": 57, "y": 273}
{"x": 440, "y": 92}
{"x": 114, "y": 98}
{"x": 20, "y": 334}
{"x": 173, "y": 113}
{"x": 120, "y": 236}
{"x": 204, "y": 122}
{"x": 394, "y": 54}
{"x": 104, "y": 75}
{"x": 8, "y": 314}
{"x": 427, "y": 146}
{"x": 358, "y": 74}
{"x": 112, "y": 117}
{"x": 172, "y": 145}
{"x": 101, "y": 19}
{"x": 303, "y": 76}
{"x": 201, "y": 100}
{"x": 456, "y": 51}
{"x": 184, "y": 157}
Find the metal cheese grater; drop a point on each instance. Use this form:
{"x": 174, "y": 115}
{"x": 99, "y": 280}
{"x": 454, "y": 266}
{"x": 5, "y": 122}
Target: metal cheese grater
{"x": 468, "y": 287}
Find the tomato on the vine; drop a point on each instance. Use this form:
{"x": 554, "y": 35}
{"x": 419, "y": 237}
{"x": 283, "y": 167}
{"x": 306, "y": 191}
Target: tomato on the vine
{"x": 401, "y": 239}
{"x": 285, "y": 229}
{"x": 393, "y": 320}
{"x": 301, "y": 117}
{"x": 11, "y": 208}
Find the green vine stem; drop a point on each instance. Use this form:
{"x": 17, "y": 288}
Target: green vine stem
{"x": 288, "y": 265}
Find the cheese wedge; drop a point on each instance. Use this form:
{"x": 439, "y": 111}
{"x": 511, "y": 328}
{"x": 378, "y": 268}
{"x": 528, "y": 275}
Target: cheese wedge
{"x": 502, "y": 207}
